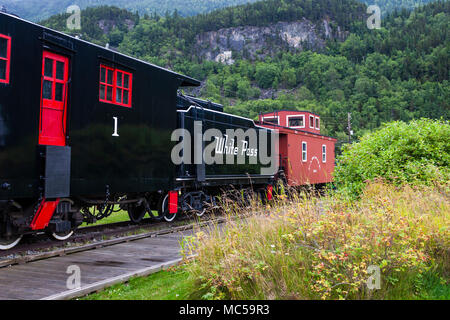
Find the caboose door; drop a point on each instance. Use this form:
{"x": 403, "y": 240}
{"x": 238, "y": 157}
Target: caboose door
{"x": 53, "y": 110}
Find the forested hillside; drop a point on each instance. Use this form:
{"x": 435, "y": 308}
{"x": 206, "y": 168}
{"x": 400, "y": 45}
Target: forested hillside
{"x": 36, "y": 10}
{"x": 399, "y": 72}
{"x": 391, "y": 5}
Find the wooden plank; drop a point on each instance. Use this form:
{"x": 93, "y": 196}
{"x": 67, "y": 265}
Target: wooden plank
{"x": 111, "y": 281}
{"x": 100, "y": 268}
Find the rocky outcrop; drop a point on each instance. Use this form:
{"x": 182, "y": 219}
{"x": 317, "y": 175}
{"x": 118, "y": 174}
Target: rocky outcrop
{"x": 251, "y": 42}
{"x": 108, "y": 25}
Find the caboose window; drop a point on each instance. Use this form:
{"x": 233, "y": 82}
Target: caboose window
{"x": 115, "y": 86}
{"x": 311, "y": 122}
{"x": 273, "y": 120}
{"x": 304, "y": 151}
{"x": 317, "y": 123}
{"x": 5, "y": 57}
{"x": 296, "y": 122}
{"x": 324, "y": 153}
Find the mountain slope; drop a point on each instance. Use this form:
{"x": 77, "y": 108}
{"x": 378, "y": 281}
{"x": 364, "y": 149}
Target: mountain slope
{"x": 387, "y": 6}
{"x": 400, "y": 72}
{"x": 36, "y": 10}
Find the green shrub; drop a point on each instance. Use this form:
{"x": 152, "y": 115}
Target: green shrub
{"x": 416, "y": 153}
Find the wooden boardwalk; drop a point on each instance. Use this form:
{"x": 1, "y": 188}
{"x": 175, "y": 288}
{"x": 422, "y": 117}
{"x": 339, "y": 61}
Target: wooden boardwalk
{"x": 99, "y": 268}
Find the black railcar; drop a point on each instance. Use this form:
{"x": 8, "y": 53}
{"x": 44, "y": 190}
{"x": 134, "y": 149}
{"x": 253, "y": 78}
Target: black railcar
{"x": 83, "y": 128}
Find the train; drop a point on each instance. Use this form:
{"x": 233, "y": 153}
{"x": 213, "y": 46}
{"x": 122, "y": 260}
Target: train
{"x": 85, "y": 129}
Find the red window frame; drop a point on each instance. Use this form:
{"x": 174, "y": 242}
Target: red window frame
{"x": 7, "y": 59}
{"x": 116, "y": 87}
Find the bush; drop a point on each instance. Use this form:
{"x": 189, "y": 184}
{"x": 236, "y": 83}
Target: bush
{"x": 322, "y": 248}
{"x": 416, "y": 153}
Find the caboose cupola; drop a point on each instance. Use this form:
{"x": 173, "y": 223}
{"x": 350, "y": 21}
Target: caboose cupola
{"x": 302, "y": 120}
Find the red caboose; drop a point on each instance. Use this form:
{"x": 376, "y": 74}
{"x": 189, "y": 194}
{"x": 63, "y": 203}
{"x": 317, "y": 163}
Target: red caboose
{"x": 306, "y": 156}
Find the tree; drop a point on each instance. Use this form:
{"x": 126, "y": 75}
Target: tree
{"x": 266, "y": 75}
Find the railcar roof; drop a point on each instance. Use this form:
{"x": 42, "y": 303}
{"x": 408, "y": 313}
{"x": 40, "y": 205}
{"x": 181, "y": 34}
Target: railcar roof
{"x": 186, "y": 81}
{"x": 276, "y": 126}
{"x": 286, "y": 110}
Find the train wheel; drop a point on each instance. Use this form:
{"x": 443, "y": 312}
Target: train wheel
{"x": 200, "y": 213}
{"x": 136, "y": 213}
{"x": 163, "y": 209}
{"x": 9, "y": 243}
{"x": 61, "y": 236}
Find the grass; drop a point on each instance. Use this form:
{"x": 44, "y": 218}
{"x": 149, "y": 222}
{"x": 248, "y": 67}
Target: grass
{"x": 315, "y": 248}
{"x": 321, "y": 248}
{"x": 119, "y": 216}
{"x": 171, "y": 284}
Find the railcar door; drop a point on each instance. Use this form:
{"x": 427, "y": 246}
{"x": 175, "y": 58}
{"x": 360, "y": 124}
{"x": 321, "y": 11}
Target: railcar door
{"x": 53, "y": 110}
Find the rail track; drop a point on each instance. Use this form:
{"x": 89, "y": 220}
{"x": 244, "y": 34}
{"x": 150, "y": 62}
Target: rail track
{"x": 40, "y": 246}
{"x": 102, "y": 263}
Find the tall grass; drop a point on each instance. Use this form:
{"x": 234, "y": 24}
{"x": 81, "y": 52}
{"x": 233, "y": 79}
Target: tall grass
{"x": 321, "y": 247}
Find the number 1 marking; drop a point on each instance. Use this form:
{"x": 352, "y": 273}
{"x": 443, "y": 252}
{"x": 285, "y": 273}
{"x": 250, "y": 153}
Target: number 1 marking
{"x": 115, "y": 134}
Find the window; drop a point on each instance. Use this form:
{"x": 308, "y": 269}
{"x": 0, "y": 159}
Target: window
{"x": 296, "y": 121}
{"x": 115, "y": 86}
{"x": 5, "y": 58}
{"x": 324, "y": 153}
{"x": 273, "y": 120}
{"x": 304, "y": 152}
{"x": 311, "y": 122}
{"x": 317, "y": 123}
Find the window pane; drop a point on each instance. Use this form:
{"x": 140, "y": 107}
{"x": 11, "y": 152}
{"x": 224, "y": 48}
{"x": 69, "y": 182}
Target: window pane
{"x": 317, "y": 123}
{"x": 3, "y": 47}
{"x": 271, "y": 120}
{"x": 102, "y": 92}
{"x": 47, "y": 90}
{"x": 126, "y": 81}
{"x": 110, "y": 77}
{"x": 109, "y": 93}
{"x": 119, "y": 95}
{"x": 125, "y": 97}
{"x": 48, "y": 67}
{"x": 3, "y": 69}
{"x": 295, "y": 122}
{"x": 59, "y": 91}
{"x": 102, "y": 75}
{"x": 59, "y": 70}
{"x": 119, "y": 79}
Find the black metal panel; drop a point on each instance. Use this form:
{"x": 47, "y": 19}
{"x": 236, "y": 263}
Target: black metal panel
{"x": 217, "y": 174}
{"x": 57, "y": 172}
{"x": 136, "y": 160}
